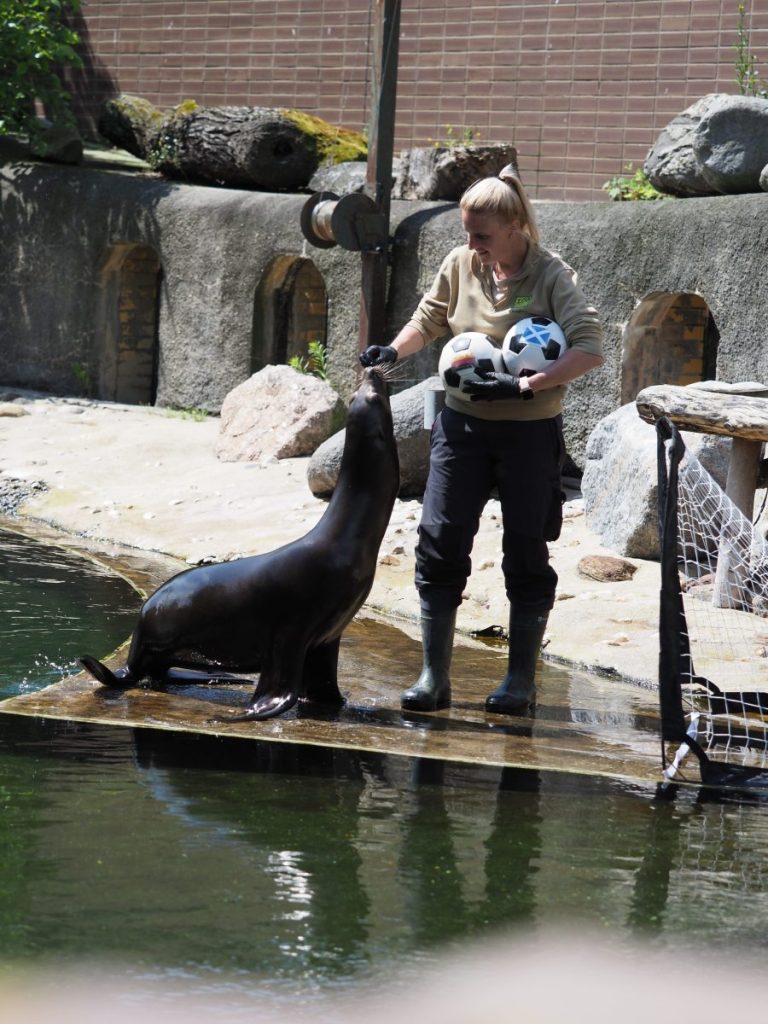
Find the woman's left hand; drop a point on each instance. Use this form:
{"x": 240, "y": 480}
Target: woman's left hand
{"x": 495, "y": 385}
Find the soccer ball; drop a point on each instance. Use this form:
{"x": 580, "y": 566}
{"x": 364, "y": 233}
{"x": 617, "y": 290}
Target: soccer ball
{"x": 466, "y": 357}
{"x": 532, "y": 344}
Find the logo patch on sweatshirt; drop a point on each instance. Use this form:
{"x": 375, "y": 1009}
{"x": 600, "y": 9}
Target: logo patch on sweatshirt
{"x": 522, "y": 302}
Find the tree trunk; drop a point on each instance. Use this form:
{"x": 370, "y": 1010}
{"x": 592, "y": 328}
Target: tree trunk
{"x": 246, "y": 147}
{"x": 252, "y": 147}
{"x": 131, "y": 123}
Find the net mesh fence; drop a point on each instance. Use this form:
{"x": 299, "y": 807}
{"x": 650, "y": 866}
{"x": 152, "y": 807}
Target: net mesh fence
{"x": 721, "y": 650}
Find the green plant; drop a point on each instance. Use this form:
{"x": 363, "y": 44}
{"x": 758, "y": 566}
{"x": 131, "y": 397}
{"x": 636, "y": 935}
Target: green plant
{"x": 467, "y": 137}
{"x": 196, "y": 414}
{"x": 747, "y": 78}
{"x": 83, "y": 377}
{"x": 315, "y": 361}
{"x": 636, "y": 186}
{"x": 35, "y": 43}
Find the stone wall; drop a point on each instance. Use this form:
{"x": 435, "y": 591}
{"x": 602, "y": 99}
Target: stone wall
{"x": 72, "y": 239}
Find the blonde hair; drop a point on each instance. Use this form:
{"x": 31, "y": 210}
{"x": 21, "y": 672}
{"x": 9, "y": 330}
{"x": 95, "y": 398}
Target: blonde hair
{"x": 504, "y": 197}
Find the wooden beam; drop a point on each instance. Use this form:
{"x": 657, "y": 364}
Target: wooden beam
{"x": 704, "y": 411}
{"x": 729, "y": 410}
{"x": 385, "y": 39}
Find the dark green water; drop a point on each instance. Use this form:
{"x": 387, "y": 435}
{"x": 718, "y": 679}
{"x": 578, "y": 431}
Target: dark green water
{"x": 55, "y": 605}
{"x": 249, "y": 866}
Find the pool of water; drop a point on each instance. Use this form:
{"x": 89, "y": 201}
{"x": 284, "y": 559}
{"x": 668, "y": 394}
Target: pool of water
{"x": 244, "y": 867}
{"x": 55, "y": 605}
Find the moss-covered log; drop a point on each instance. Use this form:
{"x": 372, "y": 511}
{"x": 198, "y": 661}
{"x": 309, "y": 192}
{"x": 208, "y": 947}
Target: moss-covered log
{"x": 131, "y": 123}
{"x": 246, "y": 147}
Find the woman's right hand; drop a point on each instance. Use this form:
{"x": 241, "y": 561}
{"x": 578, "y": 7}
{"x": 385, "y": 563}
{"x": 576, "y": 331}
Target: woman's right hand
{"x": 377, "y": 355}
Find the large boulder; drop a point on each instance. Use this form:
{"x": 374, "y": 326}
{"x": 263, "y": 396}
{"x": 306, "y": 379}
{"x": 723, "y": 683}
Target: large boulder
{"x": 444, "y": 172}
{"x": 412, "y": 446}
{"x": 278, "y": 413}
{"x": 671, "y": 165}
{"x": 59, "y": 143}
{"x": 731, "y": 143}
{"x": 619, "y": 484}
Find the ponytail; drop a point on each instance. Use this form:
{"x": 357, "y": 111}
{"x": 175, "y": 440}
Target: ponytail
{"x": 505, "y": 197}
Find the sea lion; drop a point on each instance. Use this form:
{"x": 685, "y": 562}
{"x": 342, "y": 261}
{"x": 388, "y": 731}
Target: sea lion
{"x": 281, "y": 613}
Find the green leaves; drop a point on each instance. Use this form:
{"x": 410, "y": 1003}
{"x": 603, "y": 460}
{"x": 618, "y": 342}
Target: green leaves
{"x": 314, "y": 363}
{"x": 35, "y": 43}
{"x": 636, "y": 186}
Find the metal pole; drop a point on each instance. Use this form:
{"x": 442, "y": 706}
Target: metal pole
{"x": 385, "y": 38}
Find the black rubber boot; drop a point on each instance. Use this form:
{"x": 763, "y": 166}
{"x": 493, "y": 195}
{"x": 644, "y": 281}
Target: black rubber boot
{"x": 516, "y": 694}
{"x": 432, "y": 690}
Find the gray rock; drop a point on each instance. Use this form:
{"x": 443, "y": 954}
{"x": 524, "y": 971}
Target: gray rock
{"x": 12, "y": 409}
{"x": 412, "y": 447}
{"x": 59, "y": 143}
{"x": 343, "y": 179}
{"x": 619, "y": 485}
{"x": 731, "y": 143}
{"x": 605, "y": 568}
{"x": 671, "y": 165}
{"x": 764, "y": 179}
{"x": 278, "y": 413}
{"x": 14, "y": 492}
{"x": 443, "y": 172}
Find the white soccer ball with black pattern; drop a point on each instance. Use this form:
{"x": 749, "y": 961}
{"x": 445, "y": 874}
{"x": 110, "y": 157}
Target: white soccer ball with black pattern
{"x": 467, "y": 357}
{"x": 532, "y": 344}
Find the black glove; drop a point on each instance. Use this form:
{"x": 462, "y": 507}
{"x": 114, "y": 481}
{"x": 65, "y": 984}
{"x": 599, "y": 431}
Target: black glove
{"x": 493, "y": 386}
{"x": 377, "y": 355}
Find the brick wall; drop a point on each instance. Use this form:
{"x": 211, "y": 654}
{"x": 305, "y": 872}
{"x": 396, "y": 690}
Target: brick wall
{"x": 581, "y": 88}
{"x": 670, "y": 339}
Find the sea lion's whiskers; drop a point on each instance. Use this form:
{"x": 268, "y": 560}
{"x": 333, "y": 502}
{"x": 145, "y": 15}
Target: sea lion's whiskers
{"x": 392, "y": 371}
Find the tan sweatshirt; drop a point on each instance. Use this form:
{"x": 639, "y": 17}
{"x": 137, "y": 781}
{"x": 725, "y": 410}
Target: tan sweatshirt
{"x": 462, "y": 299}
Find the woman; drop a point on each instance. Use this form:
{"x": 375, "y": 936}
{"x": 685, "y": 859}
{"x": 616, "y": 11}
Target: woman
{"x": 506, "y": 433}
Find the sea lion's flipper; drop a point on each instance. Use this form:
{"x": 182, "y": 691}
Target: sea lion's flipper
{"x": 320, "y": 674}
{"x": 265, "y": 706}
{"x": 122, "y": 679}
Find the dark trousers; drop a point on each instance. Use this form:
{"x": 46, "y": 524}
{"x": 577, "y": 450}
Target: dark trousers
{"x": 470, "y": 457}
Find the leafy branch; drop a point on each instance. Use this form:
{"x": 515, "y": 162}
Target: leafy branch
{"x": 35, "y": 43}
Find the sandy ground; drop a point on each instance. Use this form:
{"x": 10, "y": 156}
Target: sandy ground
{"x": 149, "y": 479}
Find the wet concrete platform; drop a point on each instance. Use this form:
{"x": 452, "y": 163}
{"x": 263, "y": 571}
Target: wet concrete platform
{"x": 583, "y": 724}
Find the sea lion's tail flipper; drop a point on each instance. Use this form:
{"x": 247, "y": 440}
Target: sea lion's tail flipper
{"x": 122, "y": 678}
{"x": 192, "y": 677}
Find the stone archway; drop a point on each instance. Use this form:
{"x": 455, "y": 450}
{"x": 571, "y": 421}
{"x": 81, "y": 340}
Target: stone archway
{"x": 290, "y": 311}
{"x": 130, "y": 302}
{"x": 671, "y": 338}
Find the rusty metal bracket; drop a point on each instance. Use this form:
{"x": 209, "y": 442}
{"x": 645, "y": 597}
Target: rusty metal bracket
{"x": 354, "y": 222}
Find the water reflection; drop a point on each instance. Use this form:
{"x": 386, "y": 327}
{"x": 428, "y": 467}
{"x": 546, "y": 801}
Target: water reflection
{"x": 513, "y": 849}
{"x": 307, "y": 866}
{"x": 651, "y": 887}
{"x": 304, "y": 866}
